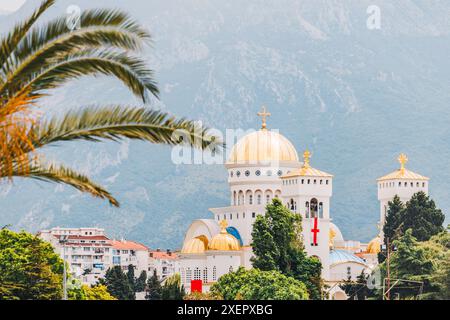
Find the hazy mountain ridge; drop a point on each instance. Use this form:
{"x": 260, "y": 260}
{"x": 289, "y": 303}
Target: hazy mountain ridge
{"x": 355, "y": 97}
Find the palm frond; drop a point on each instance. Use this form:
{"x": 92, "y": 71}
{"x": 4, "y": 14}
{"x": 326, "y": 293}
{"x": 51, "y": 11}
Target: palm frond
{"x": 132, "y": 71}
{"x": 115, "y": 123}
{"x": 89, "y": 20}
{"x": 10, "y": 42}
{"x": 54, "y": 43}
{"x": 60, "y": 174}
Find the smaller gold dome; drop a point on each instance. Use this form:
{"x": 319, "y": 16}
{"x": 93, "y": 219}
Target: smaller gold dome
{"x": 374, "y": 246}
{"x": 224, "y": 241}
{"x": 195, "y": 245}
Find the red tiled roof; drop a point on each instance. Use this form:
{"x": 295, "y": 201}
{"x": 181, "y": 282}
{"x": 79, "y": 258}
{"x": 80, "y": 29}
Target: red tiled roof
{"x": 128, "y": 245}
{"x": 162, "y": 255}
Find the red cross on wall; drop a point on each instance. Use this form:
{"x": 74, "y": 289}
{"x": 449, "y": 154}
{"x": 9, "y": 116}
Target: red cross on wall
{"x": 315, "y": 231}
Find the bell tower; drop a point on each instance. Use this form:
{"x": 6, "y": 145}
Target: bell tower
{"x": 307, "y": 191}
{"x": 403, "y": 183}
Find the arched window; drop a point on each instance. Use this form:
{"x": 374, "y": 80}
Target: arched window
{"x": 291, "y": 204}
{"x": 307, "y": 209}
{"x": 241, "y": 197}
{"x": 250, "y": 199}
{"x": 320, "y": 210}
{"x": 313, "y": 207}
{"x": 268, "y": 198}
{"x": 258, "y": 199}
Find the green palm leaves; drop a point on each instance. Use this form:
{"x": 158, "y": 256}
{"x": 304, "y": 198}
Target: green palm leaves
{"x": 35, "y": 59}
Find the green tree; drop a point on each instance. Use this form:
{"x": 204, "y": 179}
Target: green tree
{"x": 153, "y": 288}
{"x": 391, "y": 227}
{"x": 422, "y": 217}
{"x": 255, "y": 284}
{"x": 141, "y": 281}
{"x": 437, "y": 250}
{"x": 411, "y": 265}
{"x": 277, "y": 246}
{"x": 98, "y": 292}
{"x": 172, "y": 288}
{"x": 118, "y": 285}
{"x": 357, "y": 290}
{"x": 36, "y": 58}
{"x": 131, "y": 278}
{"x": 393, "y": 219}
{"x": 29, "y": 268}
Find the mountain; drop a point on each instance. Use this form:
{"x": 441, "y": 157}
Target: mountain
{"x": 355, "y": 97}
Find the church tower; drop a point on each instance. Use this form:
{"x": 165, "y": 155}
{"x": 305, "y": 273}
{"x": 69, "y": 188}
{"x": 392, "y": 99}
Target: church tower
{"x": 307, "y": 191}
{"x": 403, "y": 183}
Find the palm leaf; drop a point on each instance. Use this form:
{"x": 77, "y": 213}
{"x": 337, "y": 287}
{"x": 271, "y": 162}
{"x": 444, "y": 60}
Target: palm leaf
{"x": 130, "y": 70}
{"x": 114, "y": 123}
{"x": 60, "y": 174}
{"x": 10, "y": 42}
{"x": 54, "y": 42}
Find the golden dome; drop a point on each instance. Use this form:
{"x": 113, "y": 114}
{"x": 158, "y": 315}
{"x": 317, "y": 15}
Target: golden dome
{"x": 224, "y": 241}
{"x": 262, "y": 146}
{"x": 195, "y": 245}
{"x": 374, "y": 246}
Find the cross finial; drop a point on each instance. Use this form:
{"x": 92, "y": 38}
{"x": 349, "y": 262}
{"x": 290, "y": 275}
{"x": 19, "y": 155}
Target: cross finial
{"x": 306, "y": 157}
{"x": 403, "y": 159}
{"x": 223, "y": 225}
{"x": 264, "y": 114}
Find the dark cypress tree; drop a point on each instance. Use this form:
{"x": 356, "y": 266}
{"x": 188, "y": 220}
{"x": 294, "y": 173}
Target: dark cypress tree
{"x": 422, "y": 216}
{"x": 141, "y": 281}
{"x": 393, "y": 219}
{"x": 117, "y": 283}
{"x": 153, "y": 288}
{"x": 131, "y": 278}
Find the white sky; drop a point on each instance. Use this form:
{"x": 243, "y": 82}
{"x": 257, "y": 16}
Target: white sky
{"x": 11, "y": 5}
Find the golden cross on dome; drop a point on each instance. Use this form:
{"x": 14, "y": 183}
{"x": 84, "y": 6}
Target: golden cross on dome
{"x": 403, "y": 159}
{"x": 223, "y": 225}
{"x": 264, "y": 114}
{"x": 306, "y": 157}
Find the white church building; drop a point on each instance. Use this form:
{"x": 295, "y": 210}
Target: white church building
{"x": 263, "y": 165}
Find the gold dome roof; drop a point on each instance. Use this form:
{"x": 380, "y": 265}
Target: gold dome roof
{"x": 262, "y": 146}
{"x": 224, "y": 241}
{"x": 374, "y": 246}
{"x": 195, "y": 245}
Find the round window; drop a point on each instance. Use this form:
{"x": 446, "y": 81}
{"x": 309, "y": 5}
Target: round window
{"x": 269, "y": 173}
{"x": 238, "y": 173}
{"x": 247, "y": 173}
{"x": 231, "y": 174}
{"x": 258, "y": 173}
{"x": 280, "y": 173}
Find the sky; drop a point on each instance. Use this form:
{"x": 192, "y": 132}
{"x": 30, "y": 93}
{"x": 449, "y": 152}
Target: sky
{"x": 11, "y": 5}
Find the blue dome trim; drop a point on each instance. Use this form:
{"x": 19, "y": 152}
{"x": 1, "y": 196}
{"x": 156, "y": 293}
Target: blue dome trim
{"x": 342, "y": 256}
{"x": 235, "y": 233}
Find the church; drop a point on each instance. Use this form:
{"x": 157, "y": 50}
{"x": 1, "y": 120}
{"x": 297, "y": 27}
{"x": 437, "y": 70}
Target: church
{"x": 262, "y": 165}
